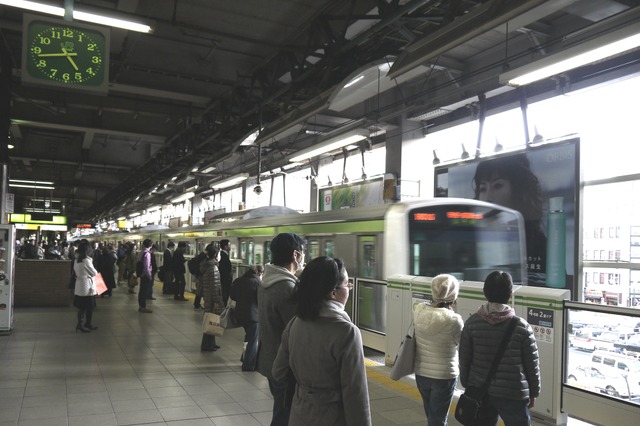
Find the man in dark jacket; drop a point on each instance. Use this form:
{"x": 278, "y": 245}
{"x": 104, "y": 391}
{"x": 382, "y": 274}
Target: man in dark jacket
{"x": 167, "y": 269}
{"x": 244, "y": 291}
{"x": 516, "y": 384}
{"x": 275, "y": 310}
{"x": 179, "y": 270}
{"x": 226, "y": 271}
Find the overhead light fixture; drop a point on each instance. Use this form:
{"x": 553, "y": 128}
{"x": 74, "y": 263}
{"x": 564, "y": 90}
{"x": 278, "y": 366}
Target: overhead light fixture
{"x": 33, "y": 184}
{"x": 584, "y": 53}
{"x": 121, "y": 218}
{"x": 136, "y": 214}
{"x": 465, "y": 154}
{"x": 436, "y": 160}
{"x": 225, "y": 183}
{"x": 354, "y": 81}
{"x": 184, "y": 197}
{"x": 208, "y": 170}
{"x": 330, "y": 144}
{"x": 250, "y": 138}
{"x": 79, "y": 15}
{"x": 10, "y": 146}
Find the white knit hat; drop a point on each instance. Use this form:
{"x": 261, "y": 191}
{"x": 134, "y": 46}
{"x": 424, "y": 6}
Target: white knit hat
{"x": 444, "y": 288}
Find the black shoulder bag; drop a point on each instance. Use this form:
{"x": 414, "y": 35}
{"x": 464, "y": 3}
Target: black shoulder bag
{"x": 470, "y": 401}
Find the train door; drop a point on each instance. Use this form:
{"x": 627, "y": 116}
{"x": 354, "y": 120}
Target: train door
{"x": 367, "y": 256}
{"x": 370, "y": 293}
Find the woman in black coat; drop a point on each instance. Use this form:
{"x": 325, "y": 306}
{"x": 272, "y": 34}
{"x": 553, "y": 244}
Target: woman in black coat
{"x": 244, "y": 291}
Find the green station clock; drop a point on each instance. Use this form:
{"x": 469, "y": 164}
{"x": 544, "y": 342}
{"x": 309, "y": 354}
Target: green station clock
{"x": 65, "y": 54}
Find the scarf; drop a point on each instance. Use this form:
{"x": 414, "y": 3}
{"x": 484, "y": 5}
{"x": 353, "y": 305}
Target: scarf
{"x": 495, "y": 313}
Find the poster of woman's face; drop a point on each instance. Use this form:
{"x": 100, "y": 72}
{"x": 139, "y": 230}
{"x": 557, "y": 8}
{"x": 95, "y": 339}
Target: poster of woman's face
{"x": 539, "y": 182}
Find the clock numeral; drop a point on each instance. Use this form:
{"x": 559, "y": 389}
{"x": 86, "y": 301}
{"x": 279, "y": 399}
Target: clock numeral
{"x": 36, "y": 50}
{"x": 78, "y": 76}
{"x": 90, "y": 71}
{"x": 67, "y": 33}
{"x": 96, "y": 59}
{"x": 80, "y": 37}
{"x": 66, "y": 76}
{"x": 54, "y": 71}
{"x": 41, "y": 63}
{"x": 91, "y": 46}
{"x": 45, "y": 40}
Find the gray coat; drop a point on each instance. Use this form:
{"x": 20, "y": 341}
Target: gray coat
{"x": 211, "y": 287}
{"x": 327, "y": 360}
{"x": 518, "y": 373}
{"x": 275, "y": 310}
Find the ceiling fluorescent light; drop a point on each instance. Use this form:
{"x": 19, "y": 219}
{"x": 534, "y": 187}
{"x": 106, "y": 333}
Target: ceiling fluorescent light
{"x": 34, "y": 182}
{"x": 136, "y": 214}
{"x": 79, "y": 15}
{"x": 354, "y": 81}
{"x": 587, "y": 52}
{"x": 225, "y": 183}
{"x": 330, "y": 144}
{"x": 20, "y": 185}
{"x": 121, "y": 218}
{"x": 184, "y": 197}
{"x": 208, "y": 170}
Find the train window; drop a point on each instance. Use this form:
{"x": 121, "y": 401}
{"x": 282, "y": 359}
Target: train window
{"x": 243, "y": 250}
{"x": 466, "y": 241}
{"x": 328, "y": 248}
{"x": 313, "y": 250}
{"x": 249, "y": 259}
{"x": 372, "y": 305}
{"x": 367, "y": 256}
{"x": 267, "y": 252}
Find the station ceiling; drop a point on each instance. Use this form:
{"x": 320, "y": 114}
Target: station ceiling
{"x": 181, "y": 99}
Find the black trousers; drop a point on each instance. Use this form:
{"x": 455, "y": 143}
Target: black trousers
{"x": 179, "y": 284}
{"x": 145, "y": 291}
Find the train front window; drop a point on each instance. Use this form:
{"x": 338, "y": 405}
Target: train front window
{"x": 468, "y": 242}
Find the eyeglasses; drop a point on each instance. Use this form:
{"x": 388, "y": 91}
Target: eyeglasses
{"x": 348, "y": 286}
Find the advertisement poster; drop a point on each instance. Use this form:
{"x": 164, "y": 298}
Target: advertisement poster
{"x": 540, "y": 183}
{"x": 366, "y": 193}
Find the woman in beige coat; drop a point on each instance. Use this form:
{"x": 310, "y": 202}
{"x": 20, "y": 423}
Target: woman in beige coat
{"x": 323, "y": 350}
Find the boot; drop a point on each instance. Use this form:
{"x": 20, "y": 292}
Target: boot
{"x": 87, "y": 323}
{"x": 79, "y": 326}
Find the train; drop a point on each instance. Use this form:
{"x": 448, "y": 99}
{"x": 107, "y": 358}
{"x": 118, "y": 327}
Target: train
{"x": 466, "y": 238}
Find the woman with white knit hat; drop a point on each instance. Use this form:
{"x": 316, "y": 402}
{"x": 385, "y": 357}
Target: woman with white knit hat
{"x": 438, "y": 329}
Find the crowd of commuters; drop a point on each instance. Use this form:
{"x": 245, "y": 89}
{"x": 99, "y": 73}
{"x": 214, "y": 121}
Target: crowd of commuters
{"x": 299, "y": 337}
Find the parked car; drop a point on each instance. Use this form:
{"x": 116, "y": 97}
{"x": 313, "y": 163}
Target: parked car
{"x": 582, "y": 343}
{"x": 631, "y": 347}
{"x": 618, "y": 384}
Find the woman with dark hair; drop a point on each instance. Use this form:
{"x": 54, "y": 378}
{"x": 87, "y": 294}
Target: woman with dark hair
{"x": 211, "y": 292}
{"x": 323, "y": 350}
{"x": 516, "y": 383}
{"x": 509, "y": 181}
{"x": 85, "y": 289}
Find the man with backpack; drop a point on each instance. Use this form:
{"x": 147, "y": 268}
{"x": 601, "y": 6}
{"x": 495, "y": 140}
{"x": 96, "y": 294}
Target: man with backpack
{"x": 194, "y": 268}
{"x": 179, "y": 271}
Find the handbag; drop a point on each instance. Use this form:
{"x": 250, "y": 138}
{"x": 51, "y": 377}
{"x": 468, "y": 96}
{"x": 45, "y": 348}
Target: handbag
{"x": 228, "y": 315}
{"x": 403, "y": 365}
{"x": 98, "y": 281}
{"x": 470, "y": 402}
{"x": 211, "y": 324}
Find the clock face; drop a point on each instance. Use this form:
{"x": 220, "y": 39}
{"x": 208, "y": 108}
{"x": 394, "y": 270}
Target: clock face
{"x": 65, "y": 54}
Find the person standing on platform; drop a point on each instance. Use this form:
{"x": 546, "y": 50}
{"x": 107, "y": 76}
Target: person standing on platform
{"x": 85, "y": 289}
{"x": 178, "y": 271}
{"x": 145, "y": 278}
{"x": 226, "y": 271}
{"x": 167, "y": 268}
{"x": 107, "y": 266}
{"x": 154, "y": 270}
{"x": 122, "y": 251}
{"x": 437, "y": 330}
{"x": 516, "y": 383}
{"x": 244, "y": 291}
{"x": 275, "y": 309}
{"x": 130, "y": 267}
{"x": 322, "y": 348}
{"x": 211, "y": 292}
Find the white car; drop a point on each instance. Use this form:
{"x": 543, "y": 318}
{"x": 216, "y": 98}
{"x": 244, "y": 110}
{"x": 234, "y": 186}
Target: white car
{"x": 615, "y": 383}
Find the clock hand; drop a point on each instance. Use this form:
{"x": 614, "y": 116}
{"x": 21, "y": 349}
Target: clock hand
{"x": 57, "y": 54}
{"x": 68, "y": 55}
